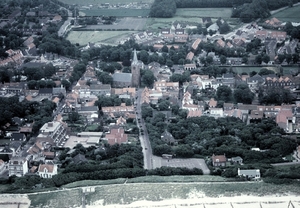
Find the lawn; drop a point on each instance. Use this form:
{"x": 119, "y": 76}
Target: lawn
{"x": 63, "y": 198}
{"x": 116, "y": 12}
{"x": 89, "y": 2}
{"x": 98, "y": 37}
{"x": 291, "y": 14}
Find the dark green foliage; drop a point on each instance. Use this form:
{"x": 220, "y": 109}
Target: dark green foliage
{"x": 242, "y": 94}
{"x": 148, "y": 78}
{"x": 207, "y": 135}
{"x": 163, "y": 8}
{"x": 276, "y": 96}
{"x": 167, "y": 171}
{"x": 224, "y": 93}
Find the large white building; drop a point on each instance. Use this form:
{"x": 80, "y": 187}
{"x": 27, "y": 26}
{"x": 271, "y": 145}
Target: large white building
{"x": 54, "y": 130}
{"x": 18, "y": 166}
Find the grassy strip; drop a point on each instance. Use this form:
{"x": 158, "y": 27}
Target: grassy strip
{"x": 95, "y": 2}
{"x": 94, "y": 183}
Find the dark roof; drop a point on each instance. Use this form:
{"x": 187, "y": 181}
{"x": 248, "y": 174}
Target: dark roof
{"x": 88, "y": 108}
{"x": 122, "y": 77}
{"x": 227, "y": 75}
{"x": 33, "y": 65}
{"x": 79, "y": 158}
{"x": 45, "y": 90}
{"x": 18, "y": 136}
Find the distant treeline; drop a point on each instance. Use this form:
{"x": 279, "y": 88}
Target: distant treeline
{"x": 272, "y": 4}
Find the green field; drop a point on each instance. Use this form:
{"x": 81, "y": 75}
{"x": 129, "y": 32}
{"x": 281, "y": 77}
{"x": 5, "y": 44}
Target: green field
{"x": 116, "y": 12}
{"x": 107, "y": 37}
{"x": 89, "y": 2}
{"x": 291, "y": 14}
{"x": 204, "y": 12}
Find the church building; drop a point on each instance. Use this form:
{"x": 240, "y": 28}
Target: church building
{"x": 136, "y": 67}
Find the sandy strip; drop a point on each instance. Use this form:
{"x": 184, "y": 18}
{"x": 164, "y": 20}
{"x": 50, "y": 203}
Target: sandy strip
{"x": 244, "y": 201}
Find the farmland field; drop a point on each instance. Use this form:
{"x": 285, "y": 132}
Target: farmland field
{"x": 89, "y": 2}
{"x": 205, "y": 12}
{"x": 116, "y": 12}
{"x": 98, "y": 37}
{"x": 290, "y": 14}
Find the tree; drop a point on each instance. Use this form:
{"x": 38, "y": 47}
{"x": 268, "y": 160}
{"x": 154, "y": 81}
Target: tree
{"x": 223, "y": 59}
{"x": 258, "y": 59}
{"x": 281, "y": 57}
{"x": 105, "y": 78}
{"x": 169, "y": 63}
{"x": 73, "y": 117}
{"x": 266, "y": 58}
{"x": 295, "y": 58}
{"x": 66, "y": 84}
{"x": 224, "y": 93}
{"x": 165, "y": 49}
{"x": 288, "y": 58}
{"x": 265, "y": 71}
{"x": 148, "y": 78}
{"x": 242, "y": 94}
{"x": 244, "y": 59}
{"x": 143, "y": 56}
{"x": 209, "y": 59}
{"x": 147, "y": 111}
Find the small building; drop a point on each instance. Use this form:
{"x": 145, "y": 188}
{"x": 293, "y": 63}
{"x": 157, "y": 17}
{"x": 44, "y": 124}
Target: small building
{"x": 251, "y": 174}
{"x": 237, "y": 160}
{"x": 219, "y": 160}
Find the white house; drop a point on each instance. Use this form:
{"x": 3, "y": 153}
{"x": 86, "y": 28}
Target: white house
{"x": 47, "y": 170}
{"x": 253, "y": 174}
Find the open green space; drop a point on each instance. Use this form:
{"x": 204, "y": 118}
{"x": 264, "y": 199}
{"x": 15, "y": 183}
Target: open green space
{"x": 89, "y": 2}
{"x": 205, "y": 12}
{"x": 116, "y": 12}
{"x": 107, "y": 37}
{"x": 291, "y": 14}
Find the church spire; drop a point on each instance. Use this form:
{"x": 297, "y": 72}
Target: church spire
{"x": 135, "y": 60}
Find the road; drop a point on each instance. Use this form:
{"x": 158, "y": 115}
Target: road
{"x": 66, "y": 24}
{"x": 143, "y": 136}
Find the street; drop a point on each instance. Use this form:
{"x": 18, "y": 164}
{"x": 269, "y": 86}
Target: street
{"x": 143, "y": 136}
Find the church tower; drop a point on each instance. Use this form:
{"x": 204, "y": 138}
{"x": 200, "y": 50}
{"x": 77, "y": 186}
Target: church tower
{"x": 136, "y": 67}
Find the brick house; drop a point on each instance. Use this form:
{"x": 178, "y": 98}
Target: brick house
{"x": 219, "y": 160}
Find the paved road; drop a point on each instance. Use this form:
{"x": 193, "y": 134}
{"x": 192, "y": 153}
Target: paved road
{"x": 144, "y": 139}
{"x": 66, "y": 24}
